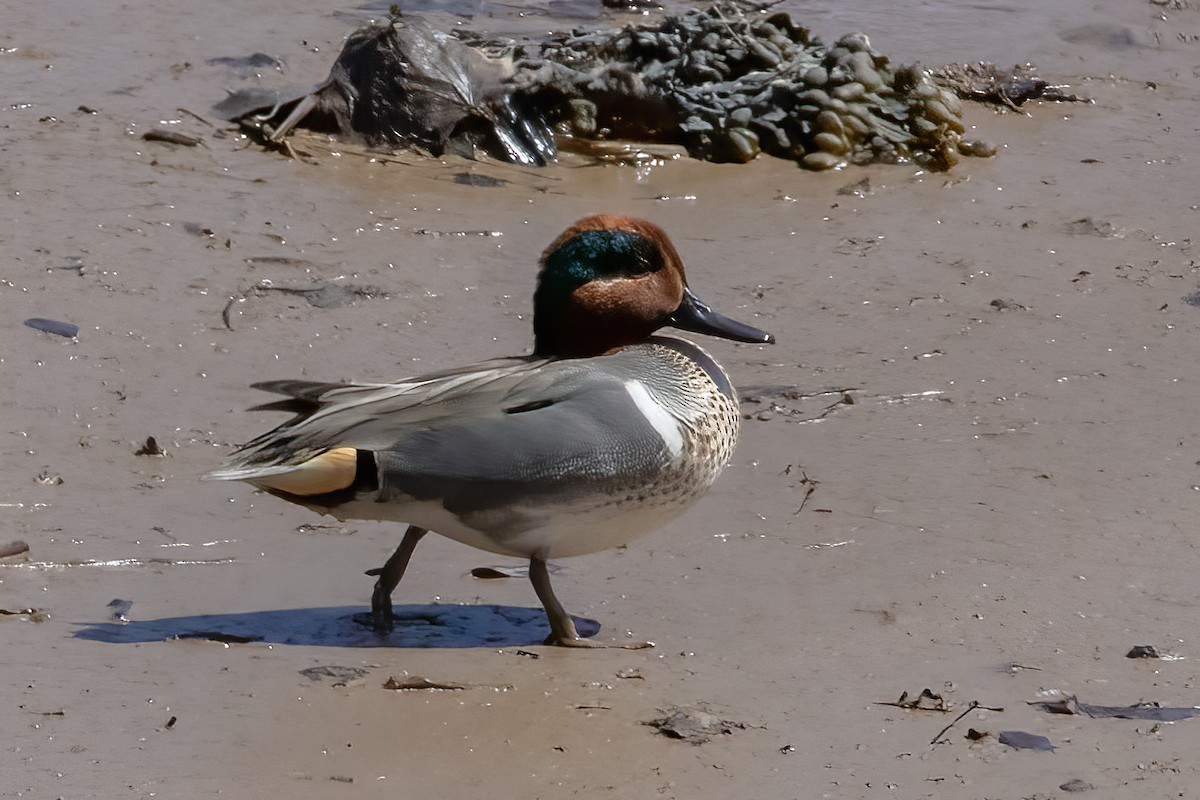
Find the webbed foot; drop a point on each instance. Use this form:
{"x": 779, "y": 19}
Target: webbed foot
{"x": 562, "y": 628}
{"x": 579, "y": 641}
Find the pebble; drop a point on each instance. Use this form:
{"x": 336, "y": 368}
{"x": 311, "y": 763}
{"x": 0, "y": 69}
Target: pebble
{"x": 820, "y": 161}
{"x": 829, "y": 143}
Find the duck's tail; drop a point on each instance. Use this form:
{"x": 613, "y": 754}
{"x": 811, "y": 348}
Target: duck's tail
{"x": 321, "y": 472}
{"x": 331, "y": 471}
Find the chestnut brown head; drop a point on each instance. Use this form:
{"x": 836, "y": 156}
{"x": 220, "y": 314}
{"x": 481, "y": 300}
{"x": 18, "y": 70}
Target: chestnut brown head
{"x": 610, "y": 281}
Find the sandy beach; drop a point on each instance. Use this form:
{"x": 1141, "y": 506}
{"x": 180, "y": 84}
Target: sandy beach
{"x": 969, "y": 465}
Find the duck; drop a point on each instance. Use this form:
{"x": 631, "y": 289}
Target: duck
{"x": 605, "y": 432}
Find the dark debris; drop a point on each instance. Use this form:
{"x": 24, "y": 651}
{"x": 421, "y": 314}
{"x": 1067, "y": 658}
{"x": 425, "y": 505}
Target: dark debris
{"x": 693, "y": 724}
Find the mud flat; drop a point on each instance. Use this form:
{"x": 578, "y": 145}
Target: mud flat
{"x": 968, "y": 466}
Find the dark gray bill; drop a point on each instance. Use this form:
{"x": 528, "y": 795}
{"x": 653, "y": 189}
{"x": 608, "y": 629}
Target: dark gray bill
{"x": 693, "y": 315}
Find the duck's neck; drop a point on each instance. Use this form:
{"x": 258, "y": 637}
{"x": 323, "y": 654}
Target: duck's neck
{"x": 576, "y": 341}
{"x": 573, "y": 330}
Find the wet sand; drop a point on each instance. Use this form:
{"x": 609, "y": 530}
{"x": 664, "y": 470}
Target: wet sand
{"x": 1006, "y": 503}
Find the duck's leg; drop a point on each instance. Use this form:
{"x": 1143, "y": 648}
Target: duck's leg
{"x": 389, "y": 576}
{"x": 562, "y": 627}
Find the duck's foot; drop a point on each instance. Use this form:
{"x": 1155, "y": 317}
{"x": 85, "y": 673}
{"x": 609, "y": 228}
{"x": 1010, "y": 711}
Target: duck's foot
{"x": 562, "y": 628}
{"x": 593, "y": 644}
{"x": 389, "y": 577}
{"x": 382, "y": 620}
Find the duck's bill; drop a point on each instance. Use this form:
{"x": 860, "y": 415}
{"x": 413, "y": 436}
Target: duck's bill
{"x": 695, "y": 316}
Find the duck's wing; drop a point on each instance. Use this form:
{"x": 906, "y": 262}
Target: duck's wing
{"x": 329, "y": 415}
{"x": 517, "y": 421}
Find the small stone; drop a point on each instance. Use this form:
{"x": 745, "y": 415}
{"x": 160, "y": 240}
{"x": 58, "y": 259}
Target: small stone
{"x": 926, "y": 90}
{"x": 863, "y": 68}
{"x": 817, "y": 76}
{"x": 829, "y": 122}
{"x": 1143, "y": 651}
{"x": 951, "y": 101}
{"x": 849, "y": 91}
{"x": 1076, "y": 785}
{"x": 976, "y": 148}
{"x": 924, "y": 127}
{"x": 816, "y": 97}
{"x": 937, "y": 112}
{"x": 855, "y": 122}
{"x": 820, "y": 161}
{"x": 740, "y": 117}
{"x": 829, "y": 143}
{"x": 744, "y": 143}
{"x": 1000, "y": 304}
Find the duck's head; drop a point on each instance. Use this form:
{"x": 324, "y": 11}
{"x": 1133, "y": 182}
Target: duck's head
{"x": 610, "y": 281}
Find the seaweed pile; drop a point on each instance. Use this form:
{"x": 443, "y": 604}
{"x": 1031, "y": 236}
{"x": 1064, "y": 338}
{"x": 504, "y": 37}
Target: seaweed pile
{"x": 728, "y": 82}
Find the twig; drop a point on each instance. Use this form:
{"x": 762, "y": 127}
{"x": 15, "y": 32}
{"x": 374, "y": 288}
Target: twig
{"x": 807, "y": 495}
{"x": 194, "y": 115}
{"x": 974, "y": 705}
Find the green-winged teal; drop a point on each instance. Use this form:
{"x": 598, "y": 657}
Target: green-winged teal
{"x": 604, "y": 433}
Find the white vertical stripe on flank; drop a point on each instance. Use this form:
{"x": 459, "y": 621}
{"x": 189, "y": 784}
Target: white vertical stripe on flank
{"x": 661, "y": 420}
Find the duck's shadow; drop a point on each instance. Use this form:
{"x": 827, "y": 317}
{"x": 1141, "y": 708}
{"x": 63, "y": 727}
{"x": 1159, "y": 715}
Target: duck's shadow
{"x": 433, "y": 625}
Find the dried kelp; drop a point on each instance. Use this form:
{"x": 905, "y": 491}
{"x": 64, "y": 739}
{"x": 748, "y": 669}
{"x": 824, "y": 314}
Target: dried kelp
{"x": 1020, "y": 740}
{"x": 1011, "y": 88}
{"x": 1058, "y": 702}
{"x": 927, "y": 700}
